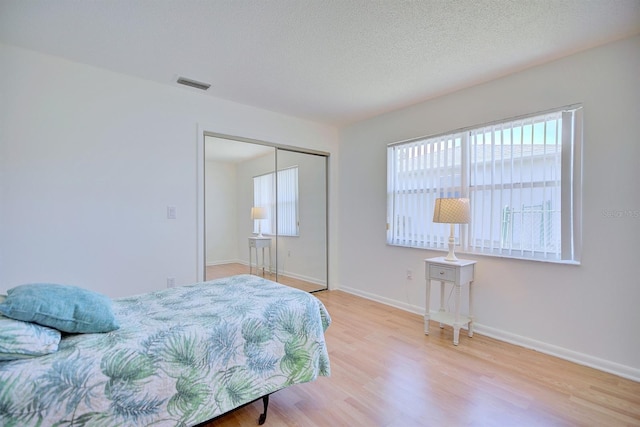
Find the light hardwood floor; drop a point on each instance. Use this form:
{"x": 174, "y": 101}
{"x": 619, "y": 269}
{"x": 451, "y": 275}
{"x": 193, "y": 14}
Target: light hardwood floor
{"x": 232, "y": 269}
{"x": 386, "y": 372}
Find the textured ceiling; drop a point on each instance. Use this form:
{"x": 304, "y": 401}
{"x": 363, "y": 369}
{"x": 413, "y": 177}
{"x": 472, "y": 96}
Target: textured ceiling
{"x": 332, "y": 61}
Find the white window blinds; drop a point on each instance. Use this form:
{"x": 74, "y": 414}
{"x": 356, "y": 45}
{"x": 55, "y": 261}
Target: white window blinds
{"x": 418, "y": 173}
{"x": 522, "y": 178}
{"x": 282, "y": 195}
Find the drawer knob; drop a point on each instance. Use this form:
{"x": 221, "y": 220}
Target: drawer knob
{"x": 442, "y": 272}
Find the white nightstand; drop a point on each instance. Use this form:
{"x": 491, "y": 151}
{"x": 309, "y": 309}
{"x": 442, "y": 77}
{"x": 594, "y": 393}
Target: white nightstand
{"x": 256, "y": 243}
{"x": 457, "y": 274}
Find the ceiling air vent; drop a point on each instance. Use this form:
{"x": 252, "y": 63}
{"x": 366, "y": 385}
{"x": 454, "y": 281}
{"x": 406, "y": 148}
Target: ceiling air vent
{"x": 193, "y": 83}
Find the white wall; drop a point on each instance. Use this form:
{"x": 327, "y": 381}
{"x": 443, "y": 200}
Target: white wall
{"x": 221, "y": 210}
{"x": 588, "y": 313}
{"x": 89, "y": 162}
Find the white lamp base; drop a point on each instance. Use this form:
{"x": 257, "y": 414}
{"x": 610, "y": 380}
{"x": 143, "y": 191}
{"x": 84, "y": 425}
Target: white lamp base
{"x": 451, "y": 256}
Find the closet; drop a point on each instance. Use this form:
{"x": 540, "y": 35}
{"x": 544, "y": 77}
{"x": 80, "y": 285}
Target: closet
{"x": 265, "y": 211}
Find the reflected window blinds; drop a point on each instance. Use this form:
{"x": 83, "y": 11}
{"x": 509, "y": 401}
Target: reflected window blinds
{"x": 280, "y": 198}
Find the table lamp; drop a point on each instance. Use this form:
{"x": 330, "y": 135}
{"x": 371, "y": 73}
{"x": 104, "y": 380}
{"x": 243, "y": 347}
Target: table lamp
{"x": 451, "y": 211}
{"x": 258, "y": 214}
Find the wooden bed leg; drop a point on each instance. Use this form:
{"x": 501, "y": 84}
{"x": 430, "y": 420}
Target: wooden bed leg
{"x": 263, "y": 416}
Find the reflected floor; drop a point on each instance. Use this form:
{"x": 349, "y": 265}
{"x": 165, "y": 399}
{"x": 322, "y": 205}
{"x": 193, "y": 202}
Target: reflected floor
{"x": 232, "y": 269}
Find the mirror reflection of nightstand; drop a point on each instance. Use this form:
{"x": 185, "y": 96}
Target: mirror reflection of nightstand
{"x": 259, "y": 243}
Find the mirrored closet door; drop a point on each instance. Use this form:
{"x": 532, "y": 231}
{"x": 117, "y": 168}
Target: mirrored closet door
{"x": 265, "y": 212}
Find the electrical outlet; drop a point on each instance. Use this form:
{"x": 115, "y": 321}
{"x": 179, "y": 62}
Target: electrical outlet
{"x": 171, "y": 282}
{"x": 409, "y": 274}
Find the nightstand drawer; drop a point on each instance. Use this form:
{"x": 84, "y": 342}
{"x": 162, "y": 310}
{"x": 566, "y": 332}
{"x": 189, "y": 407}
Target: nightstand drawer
{"x": 437, "y": 272}
{"x": 259, "y": 242}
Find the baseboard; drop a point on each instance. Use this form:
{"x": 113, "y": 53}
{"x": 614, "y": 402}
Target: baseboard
{"x": 231, "y": 261}
{"x": 315, "y": 281}
{"x": 550, "y": 349}
{"x": 387, "y": 301}
{"x": 560, "y": 352}
{"x": 312, "y": 280}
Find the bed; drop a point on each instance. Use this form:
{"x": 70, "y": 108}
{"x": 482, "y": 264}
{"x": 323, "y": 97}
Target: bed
{"x": 180, "y": 357}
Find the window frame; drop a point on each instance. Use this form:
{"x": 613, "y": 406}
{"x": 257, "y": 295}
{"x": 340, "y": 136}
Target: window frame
{"x": 459, "y": 185}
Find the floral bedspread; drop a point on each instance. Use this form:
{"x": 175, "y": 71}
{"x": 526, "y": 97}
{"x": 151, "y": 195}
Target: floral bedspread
{"x": 181, "y": 356}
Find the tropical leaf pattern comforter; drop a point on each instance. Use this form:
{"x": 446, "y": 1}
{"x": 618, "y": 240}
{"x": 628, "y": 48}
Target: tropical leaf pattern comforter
{"x": 181, "y": 356}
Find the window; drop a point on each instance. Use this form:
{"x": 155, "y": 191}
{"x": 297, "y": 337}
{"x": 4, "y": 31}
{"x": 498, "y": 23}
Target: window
{"x": 283, "y": 195}
{"x": 522, "y": 177}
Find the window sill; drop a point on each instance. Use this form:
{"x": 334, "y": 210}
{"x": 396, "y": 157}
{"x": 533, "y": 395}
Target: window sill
{"x": 522, "y": 258}
{"x": 462, "y": 253}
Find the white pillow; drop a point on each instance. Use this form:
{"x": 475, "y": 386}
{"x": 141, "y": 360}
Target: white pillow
{"x": 21, "y": 340}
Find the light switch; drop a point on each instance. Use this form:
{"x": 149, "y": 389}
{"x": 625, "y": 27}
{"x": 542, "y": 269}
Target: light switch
{"x": 171, "y": 212}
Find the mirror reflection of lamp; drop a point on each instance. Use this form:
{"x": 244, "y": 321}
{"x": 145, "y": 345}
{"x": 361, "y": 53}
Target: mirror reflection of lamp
{"x": 451, "y": 211}
{"x": 258, "y": 214}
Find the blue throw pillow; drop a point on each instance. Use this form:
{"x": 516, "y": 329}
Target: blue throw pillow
{"x": 63, "y": 307}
